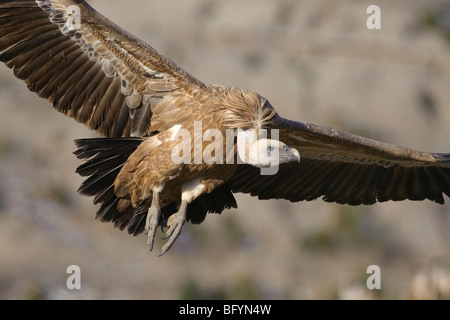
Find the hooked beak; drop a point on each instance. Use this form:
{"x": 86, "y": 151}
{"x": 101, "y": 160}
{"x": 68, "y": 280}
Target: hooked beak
{"x": 293, "y": 155}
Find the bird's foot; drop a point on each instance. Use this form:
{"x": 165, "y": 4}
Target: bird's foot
{"x": 152, "y": 221}
{"x": 151, "y": 225}
{"x": 175, "y": 223}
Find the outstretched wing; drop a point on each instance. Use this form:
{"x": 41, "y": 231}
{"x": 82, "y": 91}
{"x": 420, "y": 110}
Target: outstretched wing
{"x": 90, "y": 68}
{"x": 348, "y": 169}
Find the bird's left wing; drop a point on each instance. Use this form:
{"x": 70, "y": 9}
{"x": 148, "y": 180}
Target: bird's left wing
{"x": 88, "y": 67}
{"x": 346, "y": 168}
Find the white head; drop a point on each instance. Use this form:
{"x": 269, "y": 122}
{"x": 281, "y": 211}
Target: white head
{"x": 264, "y": 153}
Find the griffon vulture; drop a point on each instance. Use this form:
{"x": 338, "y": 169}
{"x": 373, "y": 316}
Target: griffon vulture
{"x": 145, "y": 107}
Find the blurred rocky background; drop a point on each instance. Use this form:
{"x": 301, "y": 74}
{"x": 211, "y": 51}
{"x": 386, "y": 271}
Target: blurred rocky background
{"x": 315, "y": 60}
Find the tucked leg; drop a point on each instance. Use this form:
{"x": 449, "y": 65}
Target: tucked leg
{"x": 153, "y": 216}
{"x": 175, "y": 223}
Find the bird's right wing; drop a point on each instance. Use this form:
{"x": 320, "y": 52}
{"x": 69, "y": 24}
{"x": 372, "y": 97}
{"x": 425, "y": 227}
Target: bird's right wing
{"x": 90, "y": 68}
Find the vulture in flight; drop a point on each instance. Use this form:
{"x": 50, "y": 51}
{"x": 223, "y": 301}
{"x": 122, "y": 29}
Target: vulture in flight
{"x": 174, "y": 148}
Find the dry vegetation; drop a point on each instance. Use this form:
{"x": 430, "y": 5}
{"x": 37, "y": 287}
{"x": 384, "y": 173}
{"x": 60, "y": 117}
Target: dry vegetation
{"x": 315, "y": 61}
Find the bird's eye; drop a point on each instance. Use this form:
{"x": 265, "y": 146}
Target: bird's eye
{"x": 286, "y": 148}
{"x": 270, "y": 149}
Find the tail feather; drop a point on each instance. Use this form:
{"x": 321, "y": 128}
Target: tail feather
{"x": 104, "y": 159}
{"x": 99, "y": 181}
{"x": 104, "y": 195}
{"x": 108, "y": 210}
{"x": 137, "y": 223}
{"x": 94, "y": 166}
{"x": 87, "y": 148}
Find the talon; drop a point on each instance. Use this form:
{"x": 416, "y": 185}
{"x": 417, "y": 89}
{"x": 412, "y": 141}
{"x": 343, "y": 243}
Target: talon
{"x": 175, "y": 223}
{"x": 162, "y": 227}
{"x": 171, "y": 225}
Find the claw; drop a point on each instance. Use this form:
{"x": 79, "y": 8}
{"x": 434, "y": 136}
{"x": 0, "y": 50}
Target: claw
{"x": 151, "y": 224}
{"x": 175, "y": 223}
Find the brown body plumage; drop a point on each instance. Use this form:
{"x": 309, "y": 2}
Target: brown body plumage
{"x": 102, "y": 76}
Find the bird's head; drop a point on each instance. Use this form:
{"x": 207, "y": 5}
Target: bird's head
{"x": 264, "y": 153}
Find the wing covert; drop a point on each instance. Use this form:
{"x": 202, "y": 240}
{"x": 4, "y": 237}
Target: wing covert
{"x": 322, "y": 142}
